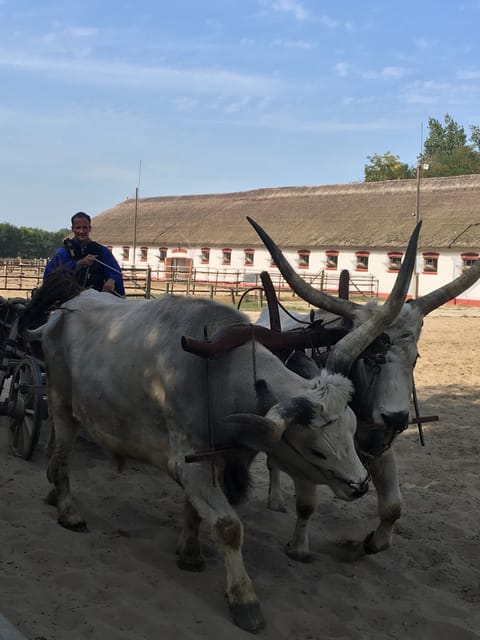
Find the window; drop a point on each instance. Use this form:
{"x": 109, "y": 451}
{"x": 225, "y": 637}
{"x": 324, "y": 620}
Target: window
{"x": 468, "y": 260}
{"x": 143, "y": 254}
{"x": 179, "y": 268}
{"x": 362, "y": 260}
{"x": 249, "y": 257}
{"x": 303, "y": 259}
{"x": 205, "y": 255}
{"x": 226, "y": 256}
{"x": 430, "y": 262}
{"x": 126, "y": 253}
{"x": 332, "y": 259}
{"x": 162, "y": 254}
{"x": 394, "y": 260}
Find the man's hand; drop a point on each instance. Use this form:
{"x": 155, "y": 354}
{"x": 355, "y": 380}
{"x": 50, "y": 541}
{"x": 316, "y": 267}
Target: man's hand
{"x": 87, "y": 261}
{"x": 109, "y": 285}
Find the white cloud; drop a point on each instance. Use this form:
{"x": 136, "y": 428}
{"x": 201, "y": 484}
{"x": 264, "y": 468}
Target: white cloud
{"x": 204, "y": 80}
{"x": 291, "y": 6}
{"x": 416, "y": 97}
{"x": 424, "y": 43}
{"x": 394, "y": 72}
{"x": 341, "y": 69}
{"x": 468, "y": 75}
{"x": 185, "y": 104}
{"x": 294, "y": 44}
{"x": 328, "y": 22}
{"x": 293, "y": 124}
{"x": 349, "y": 100}
{"x": 386, "y": 72}
{"x": 83, "y": 32}
{"x": 446, "y": 93}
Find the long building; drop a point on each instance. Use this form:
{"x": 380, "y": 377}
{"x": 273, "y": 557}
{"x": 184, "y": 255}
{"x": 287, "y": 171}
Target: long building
{"x": 362, "y": 227}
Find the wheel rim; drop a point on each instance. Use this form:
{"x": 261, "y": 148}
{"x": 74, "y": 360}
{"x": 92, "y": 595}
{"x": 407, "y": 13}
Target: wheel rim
{"x": 25, "y": 408}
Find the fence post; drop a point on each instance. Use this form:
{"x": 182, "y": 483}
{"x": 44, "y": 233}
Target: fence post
{"x": 148, "y": 283}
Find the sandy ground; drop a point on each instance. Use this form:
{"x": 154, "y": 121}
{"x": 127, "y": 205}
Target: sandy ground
{"x": 120, "y": 580}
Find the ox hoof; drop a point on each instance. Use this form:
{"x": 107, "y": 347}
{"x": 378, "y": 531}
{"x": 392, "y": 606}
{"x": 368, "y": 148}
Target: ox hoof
{"x": 248, "y": 616}
{"x": 370, "y": 547}
{"x": 297, "y": 555}
{"x": 78, "y": 527}
{"x": 187, "y": 563}
{"x": 51, "y": 499}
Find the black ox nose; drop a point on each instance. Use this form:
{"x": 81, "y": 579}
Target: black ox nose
{"x": 358, "y": 488}
{"x": 397, "y": 420}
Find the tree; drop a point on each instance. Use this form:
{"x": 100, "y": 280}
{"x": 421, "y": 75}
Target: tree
{"x": 9, "y": 240}
{"x": 475, "y": 136}
{"x": 26, "y": 242}
{"x": 387, "y": 167}
{"x": 461, "y": 162}
{"x": 447, "y": 151}
{"x": 443, "y": 140}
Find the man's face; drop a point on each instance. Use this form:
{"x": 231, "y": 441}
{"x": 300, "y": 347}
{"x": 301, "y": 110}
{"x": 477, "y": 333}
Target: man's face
{"x": 81, "y": 230}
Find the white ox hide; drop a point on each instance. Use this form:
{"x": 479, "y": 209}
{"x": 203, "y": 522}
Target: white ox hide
{"x": 116, "y": 369}
{"x": 383, "y": 382}
{"x": 383, "y": 388}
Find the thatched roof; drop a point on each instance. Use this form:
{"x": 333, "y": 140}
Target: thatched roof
{"x": 373, "y": 214}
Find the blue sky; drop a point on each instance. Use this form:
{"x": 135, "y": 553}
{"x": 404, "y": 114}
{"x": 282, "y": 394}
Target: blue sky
{"x": 210, "y": 96}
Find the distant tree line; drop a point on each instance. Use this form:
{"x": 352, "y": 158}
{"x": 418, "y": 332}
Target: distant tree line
{"x": 26, "y": 242}
{"x": 447, "y": 151}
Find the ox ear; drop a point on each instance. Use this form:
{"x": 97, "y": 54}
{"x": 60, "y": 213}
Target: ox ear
{"x": 252, "y": 431}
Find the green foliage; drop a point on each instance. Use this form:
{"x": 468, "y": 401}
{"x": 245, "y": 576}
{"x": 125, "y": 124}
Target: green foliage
{"x": 443, "y": 140}
{"x": 460, "y": 162}
{"x": 387, "y": 167}
{"x": 447, "y": 151}
{"x": 26, "y": 242}
{"x": 475, "y": 137}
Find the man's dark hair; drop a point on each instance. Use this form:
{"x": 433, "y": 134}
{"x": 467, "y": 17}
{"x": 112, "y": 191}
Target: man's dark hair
{"x": 81, "y": 214}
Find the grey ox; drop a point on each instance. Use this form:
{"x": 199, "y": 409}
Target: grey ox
{"x": 117, "y": 369}
{"x": 383, "y": 383}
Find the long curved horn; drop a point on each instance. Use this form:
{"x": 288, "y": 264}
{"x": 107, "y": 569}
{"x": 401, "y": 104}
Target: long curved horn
{"x": 435, "y": 299}
{"x": 338, "y": 306}
{"x": 347, "y": 350}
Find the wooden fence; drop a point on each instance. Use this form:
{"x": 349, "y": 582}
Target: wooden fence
{"x": 25, "y": 275}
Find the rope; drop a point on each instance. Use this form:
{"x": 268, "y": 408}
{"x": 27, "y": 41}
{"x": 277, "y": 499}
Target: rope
{"x": 120, "y": 272}
{"x": 210, "y": 426}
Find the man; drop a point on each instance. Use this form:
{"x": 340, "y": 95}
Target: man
{"x": 92, "y": 263}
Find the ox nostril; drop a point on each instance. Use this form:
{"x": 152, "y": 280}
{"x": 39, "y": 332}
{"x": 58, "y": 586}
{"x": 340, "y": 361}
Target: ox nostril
{"x": 358, "y": 488}
{"x": 398, "y": 420}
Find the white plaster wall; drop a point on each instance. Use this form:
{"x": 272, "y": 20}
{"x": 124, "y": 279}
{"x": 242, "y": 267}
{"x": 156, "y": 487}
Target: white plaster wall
{"x": 449, "y": 266}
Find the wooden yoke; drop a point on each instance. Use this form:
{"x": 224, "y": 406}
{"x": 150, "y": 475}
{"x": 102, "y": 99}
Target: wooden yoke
{"x": 314, "y": 335}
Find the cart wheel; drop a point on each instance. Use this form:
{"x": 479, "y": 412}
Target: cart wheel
{"x": 25, "y": 407}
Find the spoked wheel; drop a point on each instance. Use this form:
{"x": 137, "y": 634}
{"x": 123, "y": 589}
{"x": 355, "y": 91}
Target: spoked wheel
{"x": 25, "y": 407}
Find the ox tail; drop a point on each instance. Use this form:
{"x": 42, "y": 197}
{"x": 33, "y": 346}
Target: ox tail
{"x": 237, "y": 479}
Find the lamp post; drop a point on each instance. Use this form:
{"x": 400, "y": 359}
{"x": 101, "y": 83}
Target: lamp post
{"x": 424, "y": 166}
{"x": 135, "y": 227}
{"x": 135, "y": 215}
